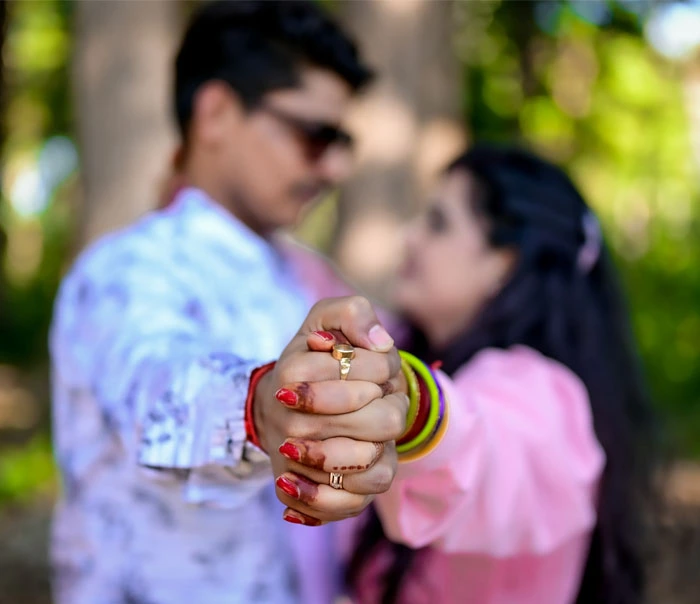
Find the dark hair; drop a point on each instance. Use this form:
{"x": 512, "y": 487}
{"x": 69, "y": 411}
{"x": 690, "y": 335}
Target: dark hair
{"x": 257, "y": 46}
{"x": 573, "y": 312}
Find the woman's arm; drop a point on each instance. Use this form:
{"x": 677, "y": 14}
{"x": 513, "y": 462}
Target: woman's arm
{"x": 517, "y": 470}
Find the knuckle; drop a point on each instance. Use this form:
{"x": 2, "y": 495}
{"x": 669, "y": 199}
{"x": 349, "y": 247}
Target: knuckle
{"x": 382, "y": 477}
{"x": 302, "y": 426}
{"x": 296, "y": 426}
{"x": 318, "y": 307}
{"x": 357, "y": 306}
{"x": 399, "y": 419}
{"x": 366, "y": 394}
{"x": 352, "y": 513}
{"x": 384, "y": 370}
{"x": 359, "y": 504}
{"x": 394, "y": 420}
{"x": 376, "y": 452}
{"x": 394, "y": 362}
{"x": 404, "y": 403}
{"x": 286, "y": 373}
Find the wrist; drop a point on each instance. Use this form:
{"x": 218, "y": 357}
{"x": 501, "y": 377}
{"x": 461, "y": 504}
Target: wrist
{"x": 258, "y": 389}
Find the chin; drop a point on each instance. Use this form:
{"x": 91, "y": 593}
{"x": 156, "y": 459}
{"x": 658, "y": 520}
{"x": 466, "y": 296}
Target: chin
{"x": 404, "y": 300}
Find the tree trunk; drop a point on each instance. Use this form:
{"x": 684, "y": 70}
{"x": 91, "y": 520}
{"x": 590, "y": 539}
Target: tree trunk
{"x": 407, "y": 124}
{"x": 122, "y": 73}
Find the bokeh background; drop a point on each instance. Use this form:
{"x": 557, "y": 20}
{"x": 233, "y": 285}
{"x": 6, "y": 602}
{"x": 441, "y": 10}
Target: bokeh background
{"x": 610, "y": 89}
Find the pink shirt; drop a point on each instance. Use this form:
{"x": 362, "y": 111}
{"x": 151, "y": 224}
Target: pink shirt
{"x": 507, "y": 501}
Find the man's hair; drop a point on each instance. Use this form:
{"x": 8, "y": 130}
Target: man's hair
{"x": 256, "y": 46}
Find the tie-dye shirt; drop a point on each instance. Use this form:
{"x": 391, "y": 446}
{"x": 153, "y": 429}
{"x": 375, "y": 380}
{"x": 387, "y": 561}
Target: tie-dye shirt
{"x": 156, "y": 330}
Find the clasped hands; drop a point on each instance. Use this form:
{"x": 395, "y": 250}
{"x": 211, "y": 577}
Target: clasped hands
{"x": 312, "y": 423}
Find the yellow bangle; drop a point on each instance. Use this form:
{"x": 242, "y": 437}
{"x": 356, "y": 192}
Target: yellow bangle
{"x": 413, "y": 394}
{"x": 431, "y": 443}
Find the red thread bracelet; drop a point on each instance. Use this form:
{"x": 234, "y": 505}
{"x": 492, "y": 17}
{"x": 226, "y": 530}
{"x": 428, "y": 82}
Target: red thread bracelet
{"x": 255, "y": 377}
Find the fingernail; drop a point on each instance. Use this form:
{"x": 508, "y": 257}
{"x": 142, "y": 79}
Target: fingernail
{"x": 287, "y": 397}
{"x": 290, "y": 451}
{"x": 325, "y": 335}
{"x": 292, "y": 518}
{"x": 288, "y": 486}
{"x": 380, "y": 338}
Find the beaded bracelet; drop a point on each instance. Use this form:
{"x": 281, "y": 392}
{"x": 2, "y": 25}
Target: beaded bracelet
{"x": 255, "y": 377}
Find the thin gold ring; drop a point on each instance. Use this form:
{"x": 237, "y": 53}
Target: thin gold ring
{"x": 336, "y": 480}
{"x": 344, "y": 354}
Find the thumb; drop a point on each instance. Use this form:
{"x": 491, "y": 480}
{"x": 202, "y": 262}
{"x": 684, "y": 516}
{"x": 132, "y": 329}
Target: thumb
{"x": 353, "y": 317}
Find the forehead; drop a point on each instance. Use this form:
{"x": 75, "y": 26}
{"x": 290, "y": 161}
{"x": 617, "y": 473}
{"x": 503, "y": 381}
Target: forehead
{"x": 457, "y": 195}
{"x": 322, "y": 95}
{"x": 456, "y": 188}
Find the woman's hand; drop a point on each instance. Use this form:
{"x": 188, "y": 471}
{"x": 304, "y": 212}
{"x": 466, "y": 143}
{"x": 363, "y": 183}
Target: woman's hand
{"x": 304, "y": 408}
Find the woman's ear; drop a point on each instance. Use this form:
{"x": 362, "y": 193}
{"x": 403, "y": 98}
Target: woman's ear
{"x": 503, "y": 263}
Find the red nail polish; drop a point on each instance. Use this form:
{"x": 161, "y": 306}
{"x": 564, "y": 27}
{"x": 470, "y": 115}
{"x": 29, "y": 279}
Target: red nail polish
{"x": 290, "y": 451}
{"x": 288, "y": 486}
{"x": 293, "y": 519}
{"x": 325, "y": 335}
{"x": 287, "y": 397}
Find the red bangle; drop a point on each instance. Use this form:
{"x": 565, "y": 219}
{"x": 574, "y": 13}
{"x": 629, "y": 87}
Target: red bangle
{"x": 255, "y": 377}
{"x": 421, "y": 416}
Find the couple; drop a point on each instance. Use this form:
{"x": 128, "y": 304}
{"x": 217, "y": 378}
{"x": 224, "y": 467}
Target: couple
{"x": 200, "y": 422}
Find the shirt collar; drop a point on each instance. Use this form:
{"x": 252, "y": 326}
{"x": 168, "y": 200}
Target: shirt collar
{"x": 201, "y": 218}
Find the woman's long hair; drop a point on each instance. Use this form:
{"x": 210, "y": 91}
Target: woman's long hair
{"x": 563, "y": 300}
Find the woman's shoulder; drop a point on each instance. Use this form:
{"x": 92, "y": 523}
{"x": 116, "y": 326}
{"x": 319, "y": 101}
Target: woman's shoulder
{"x": 522, "y": 371}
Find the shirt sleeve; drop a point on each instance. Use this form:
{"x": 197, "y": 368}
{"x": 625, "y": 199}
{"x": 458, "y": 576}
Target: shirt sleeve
{"x": 131, "y": 335}
{"x": 517, "y": 470}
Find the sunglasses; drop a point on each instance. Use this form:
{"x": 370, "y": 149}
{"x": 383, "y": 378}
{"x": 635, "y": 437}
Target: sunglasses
{"x": 315, "y": 137}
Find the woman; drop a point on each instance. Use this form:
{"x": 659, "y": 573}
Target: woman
{"x": 536, "y": 492}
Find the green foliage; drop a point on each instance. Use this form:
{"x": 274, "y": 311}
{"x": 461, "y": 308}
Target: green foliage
{"x": 36, "y": 108}
{"x": 33, "y": 246}
{"x": 26, "y": 471}
{"x": 600, "y": 101}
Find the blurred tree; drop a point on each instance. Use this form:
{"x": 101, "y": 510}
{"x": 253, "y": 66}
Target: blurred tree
{"x": 407, "y": 126}
{"x": 121, "y": 74}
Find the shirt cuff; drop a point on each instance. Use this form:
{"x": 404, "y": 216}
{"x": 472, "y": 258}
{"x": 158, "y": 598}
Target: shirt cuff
{"x": 199, "y": 420}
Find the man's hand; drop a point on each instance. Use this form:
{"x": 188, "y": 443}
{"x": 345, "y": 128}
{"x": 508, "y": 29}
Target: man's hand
{"x": 331, "y": 425}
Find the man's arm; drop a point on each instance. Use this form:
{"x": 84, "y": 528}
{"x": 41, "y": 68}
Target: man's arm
{"x": 174, "y": 396}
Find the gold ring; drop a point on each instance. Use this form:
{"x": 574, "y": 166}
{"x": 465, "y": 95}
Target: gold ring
{"x": 344, "y": 354}
{"x": 336, "y": 480}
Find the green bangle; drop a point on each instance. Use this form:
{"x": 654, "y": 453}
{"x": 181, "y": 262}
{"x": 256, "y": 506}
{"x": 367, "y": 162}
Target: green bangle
{"x": 434, "y": 412}
{"x": 413, "y": 394}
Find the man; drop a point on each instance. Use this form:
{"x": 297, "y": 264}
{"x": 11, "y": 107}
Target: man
{"x": 158, "y": 329}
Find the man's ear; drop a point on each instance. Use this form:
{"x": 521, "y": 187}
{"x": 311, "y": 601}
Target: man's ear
{"x": 217, "y": 109}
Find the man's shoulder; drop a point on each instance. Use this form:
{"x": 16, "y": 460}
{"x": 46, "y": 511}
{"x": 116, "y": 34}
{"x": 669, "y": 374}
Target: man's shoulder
{"x": 147, "y": 241}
